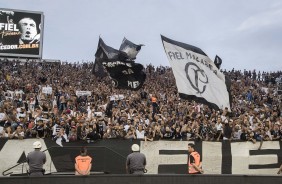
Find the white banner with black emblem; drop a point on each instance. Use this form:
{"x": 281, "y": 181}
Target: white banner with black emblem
{"x": 197, "y": 78}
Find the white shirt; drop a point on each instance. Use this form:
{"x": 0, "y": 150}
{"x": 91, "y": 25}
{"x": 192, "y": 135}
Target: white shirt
{"x": 140, "y": 135}
{"x": 2, "y": 116}
{"x": 237, "y": 135}
{"x": 126, "y": 127}
{"x": 218, "y": 126}
{"x": 15, "y": 134}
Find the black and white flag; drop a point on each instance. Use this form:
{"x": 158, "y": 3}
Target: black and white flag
{"x": 106, "y": 52}
{"x": 197, "y": 77}
{"x": 98, "y": 69}
{"x": 125, "y": 73}
{"x": 130, "y": 48}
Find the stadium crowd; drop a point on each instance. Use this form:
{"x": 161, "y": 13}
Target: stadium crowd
{"x": 66, "y": 102}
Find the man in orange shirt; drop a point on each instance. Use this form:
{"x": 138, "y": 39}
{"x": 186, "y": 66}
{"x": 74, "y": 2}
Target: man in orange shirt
{"x": 194, "y": 160}
{"x": 83, "y": 163}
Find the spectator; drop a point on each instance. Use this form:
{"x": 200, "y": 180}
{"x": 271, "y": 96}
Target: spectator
{"x": 140, "y": 133}
{"x": 18, "y": 133}
{"x": 149, "y": 134}
{"x": 227, "y": 130}
{"x": 255, "y": 112}
{"x": 93, "y": 135}
{"x": 72, "y": 135}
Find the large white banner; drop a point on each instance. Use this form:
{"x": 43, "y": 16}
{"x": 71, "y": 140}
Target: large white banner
{"x": 238, "y": 158}
{"x": 163, "y": 157}
{"x": 197, "y": 77}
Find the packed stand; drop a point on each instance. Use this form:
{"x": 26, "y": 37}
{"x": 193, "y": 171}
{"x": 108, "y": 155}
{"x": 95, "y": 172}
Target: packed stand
{"x": 66, "y": 102}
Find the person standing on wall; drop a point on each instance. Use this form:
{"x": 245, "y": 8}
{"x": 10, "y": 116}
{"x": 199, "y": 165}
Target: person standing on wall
{"x": 136, "y": 161}
{"x": 83, "y": 163}
{"x": 36, "y": 159}
{"x": 194, "y": 160}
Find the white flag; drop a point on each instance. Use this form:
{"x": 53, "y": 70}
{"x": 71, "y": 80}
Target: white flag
{"x": 197, "y": 77}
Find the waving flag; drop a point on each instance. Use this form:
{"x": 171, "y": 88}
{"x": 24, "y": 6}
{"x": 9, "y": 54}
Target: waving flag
{"x": 106, "y": 52}
{"x": 197, "y": 77}
{"x": 217, "y": 61}
{"x": 130, "y": 48}
{"x": 125, "y": 73}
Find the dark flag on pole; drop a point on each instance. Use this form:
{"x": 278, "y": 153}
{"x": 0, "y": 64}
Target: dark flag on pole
{"x": 130, "y": 48}
{"x": 125, "y": 73}
{"x": 106, "y": 52}
{"x": 217, "y": 61}
{"x": 197, "y": 77}
{"x": 98, "y": 69}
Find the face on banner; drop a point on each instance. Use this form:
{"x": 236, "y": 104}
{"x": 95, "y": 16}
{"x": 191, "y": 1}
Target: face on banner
{"x": 28, "y": 30}
{"x": 21, "y": 33}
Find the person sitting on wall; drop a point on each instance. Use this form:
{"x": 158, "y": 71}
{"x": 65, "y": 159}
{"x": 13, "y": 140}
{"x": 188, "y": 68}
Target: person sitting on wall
{"x": 83, "y": 163}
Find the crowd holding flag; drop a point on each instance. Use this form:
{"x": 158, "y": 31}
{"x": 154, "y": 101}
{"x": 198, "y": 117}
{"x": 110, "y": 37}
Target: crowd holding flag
{"x": 120, "y": 65}
{"x": 197, "y": 77}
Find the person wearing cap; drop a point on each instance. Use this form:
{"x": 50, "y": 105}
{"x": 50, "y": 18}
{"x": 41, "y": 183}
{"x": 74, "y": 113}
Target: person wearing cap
{"x": 194, "y": 160}
{"x": 83, "y": 163}
{"x": 136, "y": 161}
{"x": 36, "y": 159}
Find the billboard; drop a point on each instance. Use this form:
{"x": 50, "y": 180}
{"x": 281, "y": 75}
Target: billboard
{"x": 21, "y": 33}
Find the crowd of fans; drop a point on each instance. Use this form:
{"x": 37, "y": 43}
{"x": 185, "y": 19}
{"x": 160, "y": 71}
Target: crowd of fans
{"x": 153, "y": 113}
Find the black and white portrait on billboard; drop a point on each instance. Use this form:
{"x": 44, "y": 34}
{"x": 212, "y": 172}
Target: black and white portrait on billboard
{"x": 28, "y": 29}
{"x": 21, "y": 33}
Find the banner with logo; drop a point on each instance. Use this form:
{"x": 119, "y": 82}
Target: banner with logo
{"x": 21, "y": 33}
{"x": 197, "y": 77}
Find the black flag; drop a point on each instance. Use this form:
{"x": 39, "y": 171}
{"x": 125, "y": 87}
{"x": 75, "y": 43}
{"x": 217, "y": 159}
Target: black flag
{"x": 106, "y": 52}
{"x": 217, "y": 61}
{"x": 124, "y": 72}
{"x": 126, "y": 75}
{"x": 130, "y": 48}
{"x": 98, "y": 69}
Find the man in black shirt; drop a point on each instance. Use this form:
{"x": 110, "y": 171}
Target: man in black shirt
{"x": 227, "y": 130}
